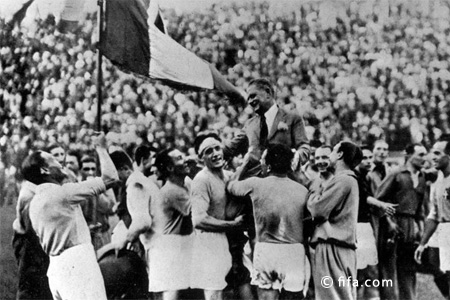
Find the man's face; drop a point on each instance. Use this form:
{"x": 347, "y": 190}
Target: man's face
{"x": 54, "y": 168}
{"x": 334, "y": 155}
{"x": 259, "y": 99}
{"x": 322, "y": 159}
{"x": 124, "y": 172}
{"x": 213, "y": 157}
{"x": 418, "y": 157}
{"x": 366, "y": 162}
{"x": 59, "y": 154}
{"x": 438, "y": 157}
{"x": 72, "y": 163}
{"x": 380, "y": 152}
{"x": 179, "y": 163}
{"x": 88, "y": 170}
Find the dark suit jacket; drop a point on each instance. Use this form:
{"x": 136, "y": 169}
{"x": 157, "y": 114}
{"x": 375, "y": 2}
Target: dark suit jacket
{"x": 291, "y": 132}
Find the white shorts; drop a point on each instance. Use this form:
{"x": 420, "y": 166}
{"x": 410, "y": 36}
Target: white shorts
{"x": 444, "y": 246}
{"x": 75, "y": 274}
{"x": 433, "y": 242}
{"x": 281, "y": 266}
{"x": 169, "y": 261}
{"x": 211, "y": 261}
{"x": 366, "y": 248}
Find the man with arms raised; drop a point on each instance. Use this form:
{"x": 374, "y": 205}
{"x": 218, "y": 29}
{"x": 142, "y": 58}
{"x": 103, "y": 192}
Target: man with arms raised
{"x": 278, "y": 204}
{"x": 271, "y": 124}
{"x": 57, "y": 218}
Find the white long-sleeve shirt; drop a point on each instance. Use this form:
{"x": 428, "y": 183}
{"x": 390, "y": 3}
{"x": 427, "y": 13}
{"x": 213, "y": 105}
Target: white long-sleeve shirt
{"x": 56, "y": 214}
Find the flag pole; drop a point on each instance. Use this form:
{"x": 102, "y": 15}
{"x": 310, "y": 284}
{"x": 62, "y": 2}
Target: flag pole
{"x": 99, "y": 66}
{"x": 99, "y": 101}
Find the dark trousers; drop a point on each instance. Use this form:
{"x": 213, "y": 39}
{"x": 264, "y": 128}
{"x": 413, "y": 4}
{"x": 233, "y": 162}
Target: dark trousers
{"x": 396, "y": 263}
{"x": 32, "y": 264}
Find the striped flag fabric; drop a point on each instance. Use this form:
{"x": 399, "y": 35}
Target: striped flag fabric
{"x": 19, "y": 15}
{"x": 135, "y": 40}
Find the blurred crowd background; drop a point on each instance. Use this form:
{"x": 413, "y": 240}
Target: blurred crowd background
{"x": 359, "y": 70}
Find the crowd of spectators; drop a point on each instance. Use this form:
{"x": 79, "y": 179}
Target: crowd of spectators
{"x": 361, "y": 78}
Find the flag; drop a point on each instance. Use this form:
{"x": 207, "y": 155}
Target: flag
{"x": 136, "y": 40}
{"x": 72, "y": 12}
{"x": 19, "y": 15}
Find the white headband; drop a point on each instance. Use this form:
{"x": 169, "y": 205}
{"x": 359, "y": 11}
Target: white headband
{"x": 208, "y": 143}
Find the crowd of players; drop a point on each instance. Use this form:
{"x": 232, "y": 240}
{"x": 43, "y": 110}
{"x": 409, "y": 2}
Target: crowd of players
{"x": 253, "y": 214}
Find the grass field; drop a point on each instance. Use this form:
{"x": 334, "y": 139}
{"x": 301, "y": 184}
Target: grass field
{"x": 426, "y": 289}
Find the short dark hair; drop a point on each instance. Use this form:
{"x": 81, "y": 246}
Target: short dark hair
{"x": 351, "y": 154}
{"x": 411, "y": 148}
{"x": 315, "y": 143}
{"x": 203, "y": 136}
{"x": 366, "y": 147}
{"x": 76, "y": 154}
{"x": 447, "y": 147}
{"x": 263, "y": 83}
{"x": 87, "y": 159}
{"x": 163, "y": 161}
{"x": 279, "y": 158}
{"x": 120, "y": 159}
{"x": 143, "y": 152}
{"x": 54, "y": 146}
{"x": 31, "y": 168}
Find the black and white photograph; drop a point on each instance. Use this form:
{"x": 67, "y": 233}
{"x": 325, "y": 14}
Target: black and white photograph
{"x": 225, "y": 149}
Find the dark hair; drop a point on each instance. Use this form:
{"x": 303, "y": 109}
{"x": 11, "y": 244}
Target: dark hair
{"x": 263, "y": 83}
{"x": 203, "y": 136}
{"x": 54, "y": 146}
{"x": 315, "y": 143}
{"x": 446, "y": 138}
{"x": 31, "y": 168}
{"x": 351, "y": 154}
{"x": 163, "y": 161}
{"x": 87, "y": 159}
{"x": 76, "y": 154}
{"x": 365, "y": 147}
{"x": 120, "y": 159}
{"x": 143, "y": 152}
{"x": 279, "y": 158}
{"x": 411, "y": 148}
{"x": 447, "y": 147}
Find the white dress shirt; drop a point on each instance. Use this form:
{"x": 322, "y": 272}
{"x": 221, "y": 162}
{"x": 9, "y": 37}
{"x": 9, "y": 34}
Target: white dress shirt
{"x": 270, "y": 117}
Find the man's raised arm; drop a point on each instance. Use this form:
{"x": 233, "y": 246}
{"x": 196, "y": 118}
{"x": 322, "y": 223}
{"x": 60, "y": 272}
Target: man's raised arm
{"x": 108, "y": 170}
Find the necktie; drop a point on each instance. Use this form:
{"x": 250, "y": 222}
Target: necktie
{"x": 381, "y": 169}
{"x": 264, "y": 131}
